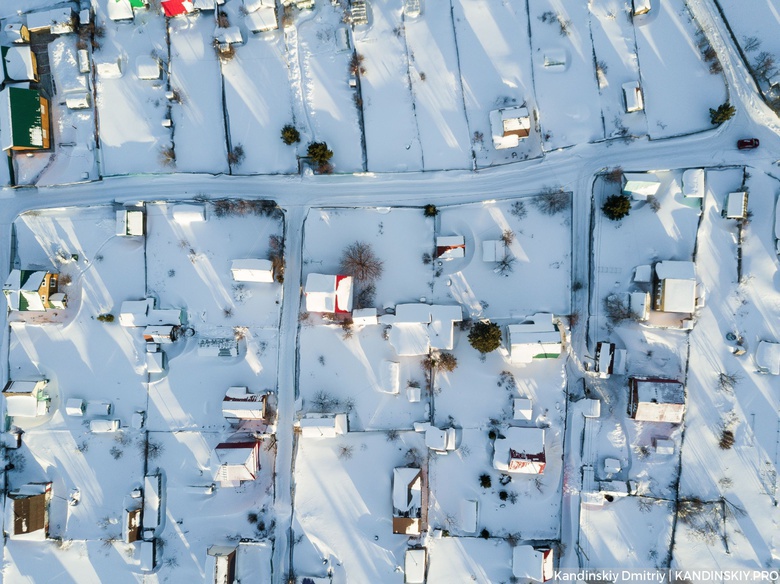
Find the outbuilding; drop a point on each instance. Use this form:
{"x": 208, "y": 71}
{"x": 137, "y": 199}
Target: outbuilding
{"x": 252, "y": 270}
{"x": 652, "y": 399}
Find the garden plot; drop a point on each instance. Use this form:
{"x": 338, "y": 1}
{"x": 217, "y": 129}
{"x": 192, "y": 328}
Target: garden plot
{"x": 101, "y": 468}
{"x": 536, "y": 264}
{"x": 740, "y": 479}
{"x": 643, "y": 237}
{"x": 189, "y": 265}
{"x": 259, "y": 103}
{"x": 631, "y": 532}
{"x": 131, "y": 110}
{"x": 562, "y": 60}
{"x": 677, "y": 97}
{"x": 390, "y": 120}
{"x": 73, "y": 562}
{"x": 329, "y": 102}
{"x": 436, "y": 84}
{"x": 398, "y": 237}
{"x": 614, "y": 45}
{"x": 340, "y": 375}
{"x": 195, "y": 518}
{"x": 496, "y": 71}
{"x": 199, "y": 123}
{"x": 531, "y": 504}
{"x": 457, "y": 559}
{"x": 343, "y": 511}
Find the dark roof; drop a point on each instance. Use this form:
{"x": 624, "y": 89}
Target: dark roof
{"x": 25, "y": 116}
{"x": 29, "y": 513}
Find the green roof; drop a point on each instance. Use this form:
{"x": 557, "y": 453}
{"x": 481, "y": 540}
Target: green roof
{"x": 137, "y": 3}
{"x": 26, "y": 123}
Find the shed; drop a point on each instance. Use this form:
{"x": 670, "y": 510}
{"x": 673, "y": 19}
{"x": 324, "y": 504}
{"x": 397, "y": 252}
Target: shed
{"x": 522, "y": 409}
{"x": 591, "y": 408}
{"x": 389, "y": 376}
{"x": 441, "y": 441}
{"x": 509, "y": 126}
{"x": 147, "y": 67}
{"x": 152, "y": 508}
{"x": 407, "y": 500}
{"x": 109, "y": 69}
{"x": 17, "y": 32}
{"x": 328, "y": 293}
{"x": 123, "y": 9}
{"x": 56, "y": 21}
{"x": 314, "y": 425}
{"x": 144, "y": 313}
{"x": 468, "y": 516}
{"x": 27, "y": 511}
{"x": 252, "y": 270}
{"x": 632, "y": 97}
{"x": 768, "y": 357}
{"x": 221, "y": 564}
{"x": 639, "y": 304}
{"x": 531, "y": 563}
{"x": 239, "y": 404}
{"x": 83, "y": 57}
{"x": 538, "y": 338}
{"x": 19, "y": 64}
{"x": 693, "y": 183}
{"x": 130, "y": 222}
{"x": 736, "y": 205}
{"x": 262, "y": 19}
{"x": 365, "y": 316}
{"x": 75, "y": 407}
{"x": 26, "y": 399}
{"x": 450, "y": 247}
{"x": 24, "y": 119}
{"x": 78, "y": 100}
{"x": 663, "y": 447}
{"x": 640, "y": 185}
{"x": 228, "y": 36}
{"x": 156, "y": 362}
{"x": 239, "y": 462}
{"x": 493, "y": 250}
{"x": 521, "y": 450}
{"x": 675, "y": 289}
{"x": 148, "y": 555}
{"x": 656, "y": 400}
{"x": 609, "y": 360}
{"x": 184, "y": 214}
{"x": 414, "y": 566}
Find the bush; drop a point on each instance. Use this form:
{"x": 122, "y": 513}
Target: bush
{"x": 616, "y": 309}
{"x": 616, "y": 207}
{"x": 290, "y": 135}
{"x": 614, "y": 175}
{"x": 485, "y": 336}
{"x": 168, "y": 156}
{"x": 726, "y": 440}
{"x": 446, "y": 362}
{"x": 484, "y": 534}
{"x": 430, "y": 210}
{"x": 518, "y": 210}
{"x": 552, "y": 201}
{"x": 236, "y": 155}
{"x": 503, "y": 495}
{"x": 106, "y": 317}
{"x": 319, "y": 153}
{"x": 724, "y": 113}
{"x": 485, "y": 481}
{"x": 360, "y": 262}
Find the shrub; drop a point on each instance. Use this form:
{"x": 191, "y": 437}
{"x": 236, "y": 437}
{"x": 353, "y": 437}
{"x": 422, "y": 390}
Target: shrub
{"x": 236, "y": 155}
{"x": 360, "y": 262}
{"x": 484, "y": 481}
{"x": 614, "y": 175}
{"x": 319, "y": 153}
{"x": 290, "y": 135}
{"x": 484, "y": 534}
{"x": 552, "y": 201}
{"x": 503, "y": 495}
{"x": 616, "y": 309}
{"x": 356, "y": 64}
{"x": 518, "y": 209}
{"x": 654, "y": 203}
{"x": 446, "y": 362}
{"x": 430, "y": 210}
{"x": 168, "y": 156}
{"x": 724, "y": 113}
{"x": 365, "y": 297}
{"x": 507, "y": 237}
{"x": 726, "y": 440}
{"x": 616, "y": 207}
{"x": 106, "y": 317}
{"x": 485, "y": 336}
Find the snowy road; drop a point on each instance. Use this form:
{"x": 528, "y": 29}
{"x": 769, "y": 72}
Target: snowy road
{"x": 573, "y": 169}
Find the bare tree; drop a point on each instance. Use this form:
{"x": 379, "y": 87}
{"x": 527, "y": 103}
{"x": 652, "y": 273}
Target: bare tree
{"x": 360, "y": 262}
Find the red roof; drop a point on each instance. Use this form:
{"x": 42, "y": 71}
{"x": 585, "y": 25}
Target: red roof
{"x": 176, "y": 7}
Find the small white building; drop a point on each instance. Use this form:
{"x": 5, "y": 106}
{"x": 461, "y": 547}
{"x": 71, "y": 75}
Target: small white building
{"x": 314, "y": 425}
{"x": 221, "y": 564}
{"x": 640, "y": 185}
{"x": 130, "y": 222}
{"x": 326, "y": 293}
{"x": 609, "y": 360}
{"x": 26, "y": 399}
{"x": 539, "y": 338}
{"x": 18, "y": 64}
{"x": 675, "y": 289}
{"x": 252, "y": 270}
{"x": 632, "y": 97}
{"x": 656, "y": 400}
{"x": 736, "y": 205}
{"x": 407, "y": 500}
{"x": 239, "y": 462}
{"x": 639, "y": 304}
{"x": 184, "y": 214}
{"x": 56, "y": 21}
{"x": 78, "y": 100}
{"x": 533, "y": 564}
{"x": 365, "y": 316}
{"x": 693, "y": 183}
{"x": 441, "y": 441}
{"x": 238, "y": 404}
{"x": 450, "y": 247}
{"x": 261, "y": 15}
{"x": 522, "y": 409}
{"x": 414, "y": 566}
{"x": 147, "y": 67}
{"x": 493, "y": 250}
{"x": 521, "y": 451}
{"x": 152, "y": 505}
{"x": 768, "y": 357}
{"x": 509, "y": 126}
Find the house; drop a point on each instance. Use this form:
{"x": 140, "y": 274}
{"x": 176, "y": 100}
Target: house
{"x": 130, "y": 222}
{"x": 407, "y": 500}
{"x": 656, "y": 400}
{"x": 522, "y": 409}
{"x": 26, "y": 399}
{"x": 418, "y": 328}
{"x": 143, "y": 313}
{"x": 24, "y": 119}
{"x": 414, "y": 566}
{"x": 609, "y": 360}
{"x": 176, "y": 7}
{"x": 252, "y": 270}
{"x": 326, "y": 293}
{"x": 314, "y": 425}
{"x": 538, "y": 338}
{"x": 693, "y": 183}
{"x": 124, "y": 9}
{"x": 239, "y": 404}
{"x": 225, "y": 347}
{"x": 509, "y": 126}
{"x": 531, "y": 563}
{"x": 152, "y": 506}
{"x": 640, "y": 185}
{"x": 33, "y": 291}
{"x": 450, "y": 247}
{"x": 147, "y": 67}
{"x": 55, "y": 21}
{"x": 27, "y": 511}
{"x": 17, "y": 33}
{"x": 768, "y": 357}
{"x": 675, "y": 287}
{"x": 641, "y": 7}
{"x": 19, "y": 64}
{"x": 736, "y": 206}
{"x": 239, "y": 461}
{"x": 520, "y": 450}
{"x": 632, "y": 97}
{"x": 221, "y": 564}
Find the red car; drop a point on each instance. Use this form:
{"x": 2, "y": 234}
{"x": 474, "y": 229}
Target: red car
{"x": 747, "y": 143}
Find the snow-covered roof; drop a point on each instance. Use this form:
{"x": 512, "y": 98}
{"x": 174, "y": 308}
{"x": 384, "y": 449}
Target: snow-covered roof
{"x": 407, "y": 489}
{"x": 120, "y": 9}
{"x": 155, "y": 362}
{"x": 220, "y": 564}
{"x": 365, "y": 316}
{"x": 186, "y": 213}
{"x": 657, "y": 400}
{"x": 252, "y": 270}
{"x": 238, "y": 461}
{"x": 230, "y": 35}
{"x": 58, "y": 20}
{"x": 18, "y": 63}
{"x": 262, "y": 19}
{"x": 632, "y": 94}
{"x": 147, "y": 67}
{"x": 522, "y": 408}
{"x": 640, "y": 185}
{"x": 414, "y": 566}
{"x": 327, "y": 293}
{"x": 521, "y": 450}
{"x": 323, "y": 425}
{"x": 152, "y": 502}
{"x": 21, "y": 118}
{"x": 441, "y": 440}
{"x": 609, "y": 360}
{"x": 539, "y": 338}
{"x": 508, "y": 126}
{"x": 768, "y": 357}
{"x": 78, "y": 100}
{"x": 677, "y": 290}
{"x": 468, "y": 516}
{"x": 493, "y": 250}
{"x": 239, "y": 403}
{"x": 417, "y": 328}
{"x": 693, "y": 183}
{"x": 14, "y": 32}
{"x": 143, "y": 313}
{"x": 22, "y": 290}
{"x": 129, "y": 222}
{"x": 642, "y": 6}
{"x": 26, "y": 511}
{"x": 736, "y": 205}
{"x": 109, "y": 69}
{"x": 528, "y": 562}
{"x": 639, "y": 303}
{"x": 450, "y": 247}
